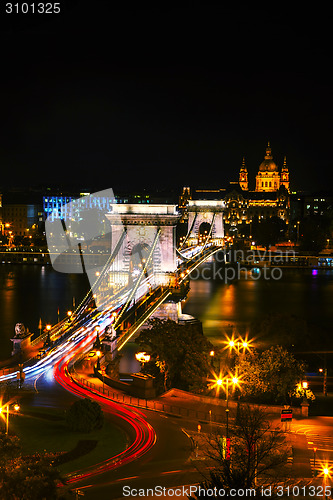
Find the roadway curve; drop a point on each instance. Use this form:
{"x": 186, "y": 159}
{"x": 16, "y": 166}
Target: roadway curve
{"x": 142, "y": 433}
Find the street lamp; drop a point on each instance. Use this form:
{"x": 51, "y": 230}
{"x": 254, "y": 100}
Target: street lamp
{"x": 98, "y": 354}
{"x": 236, "y": 344}
{"x": 219, "y": 382}
{"x": 6, "y": 406}
{"x": 234, "y": 381}
{"x": 314, "y": 457}
{"x": 326, "y": 472}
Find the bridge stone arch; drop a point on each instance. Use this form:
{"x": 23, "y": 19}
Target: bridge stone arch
{"x": 148, "y": 226}
{"x": 205, "y": 211}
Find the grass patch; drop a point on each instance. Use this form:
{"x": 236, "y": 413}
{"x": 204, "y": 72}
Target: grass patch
{"x": 41, "y": 430}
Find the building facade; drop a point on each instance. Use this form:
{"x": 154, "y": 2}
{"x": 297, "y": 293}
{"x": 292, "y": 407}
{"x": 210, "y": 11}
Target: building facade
{"x": 242, "y": 206}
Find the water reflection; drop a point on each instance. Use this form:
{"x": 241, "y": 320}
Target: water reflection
{"x": 28, "y": 293}
{"x": 299, "y": 292}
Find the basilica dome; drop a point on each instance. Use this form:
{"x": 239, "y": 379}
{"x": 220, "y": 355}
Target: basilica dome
{"x": 268, "y": 165}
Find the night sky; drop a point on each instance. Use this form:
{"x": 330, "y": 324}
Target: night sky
{"x": 143, "y": 97}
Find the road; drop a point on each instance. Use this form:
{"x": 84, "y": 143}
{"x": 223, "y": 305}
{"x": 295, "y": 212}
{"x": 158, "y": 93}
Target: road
{"x": 166, "y": 463}
{"x": 319, "y": 436}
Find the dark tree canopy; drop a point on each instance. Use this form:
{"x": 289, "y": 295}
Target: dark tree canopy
{"x": 270, "y": 376}
{"x": 257, "y": 451}
{"x": 30, "y": 477}
{"x": 85, "y": 415}
{"x": 179, "y": 354}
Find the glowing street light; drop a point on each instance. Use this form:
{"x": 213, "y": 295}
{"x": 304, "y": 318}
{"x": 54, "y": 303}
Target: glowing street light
{"x": 237, "y": 344}
{"x": 6, "y": 408}
{"x": 235, "y": 382}
{"x": 142, "y": 357}
{"x": 326, "y": 473}
{"x": 219, "y": 382}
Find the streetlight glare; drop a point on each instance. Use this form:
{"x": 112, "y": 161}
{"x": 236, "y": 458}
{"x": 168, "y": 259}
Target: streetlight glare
{"x": 325, "y": 470}
{"x": 237, "y": 344}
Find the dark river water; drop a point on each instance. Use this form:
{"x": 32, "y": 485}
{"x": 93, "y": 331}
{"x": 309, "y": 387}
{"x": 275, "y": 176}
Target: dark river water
{"x": 28, "y": 293}
{"x": 304, "y": 293}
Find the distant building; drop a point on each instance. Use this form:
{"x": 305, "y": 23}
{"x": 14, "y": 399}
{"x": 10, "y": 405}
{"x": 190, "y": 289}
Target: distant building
{"x": 60, "y": 207}
{"x": 268, "y": 179}
{"x": 243, "y": 206}
{"x": 320, "y": 203}
{"x": 21, "y": 218}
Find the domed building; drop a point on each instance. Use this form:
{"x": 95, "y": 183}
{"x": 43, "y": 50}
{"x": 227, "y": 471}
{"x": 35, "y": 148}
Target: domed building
{"x": 269, "y": 198}
{"x": 243, "y": 206}
{"x": 268, "y": 177}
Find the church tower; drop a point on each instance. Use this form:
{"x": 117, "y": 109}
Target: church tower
{"x": 285, "y": 175}
{"x": 268, "y": 177}
{"x": 243, "y": 179}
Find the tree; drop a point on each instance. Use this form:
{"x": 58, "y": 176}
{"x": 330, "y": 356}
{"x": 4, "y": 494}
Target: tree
{"x": 258, "y": 452}
{"x": 9, "y": 446}
{"x": 29, "y": 478}
{"x": 85, "y": 415}
{"x": 179, "y": 354}
{"x": 270, "y": 376}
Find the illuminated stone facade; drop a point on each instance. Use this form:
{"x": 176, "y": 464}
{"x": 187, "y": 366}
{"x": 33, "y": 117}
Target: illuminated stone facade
{"x": 205, "y": 213}
{"x": 270, "y": 197}
{"x": 237, "y": 207}
{"x": 149, "y": 227}
{"x": 268, "y": 178}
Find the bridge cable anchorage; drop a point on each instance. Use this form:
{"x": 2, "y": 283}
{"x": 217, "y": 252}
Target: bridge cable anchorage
{"x": 189, "y": 231}
{"x": 138, "y": 281}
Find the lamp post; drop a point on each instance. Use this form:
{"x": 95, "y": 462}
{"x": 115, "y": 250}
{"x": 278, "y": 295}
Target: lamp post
{"x": 98, "y": 365}
{"x": 235, "y": 345}
{"x": 219, "y": 382}
{"x": 314, "y": 457}
{"x": 6, "y": 406}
